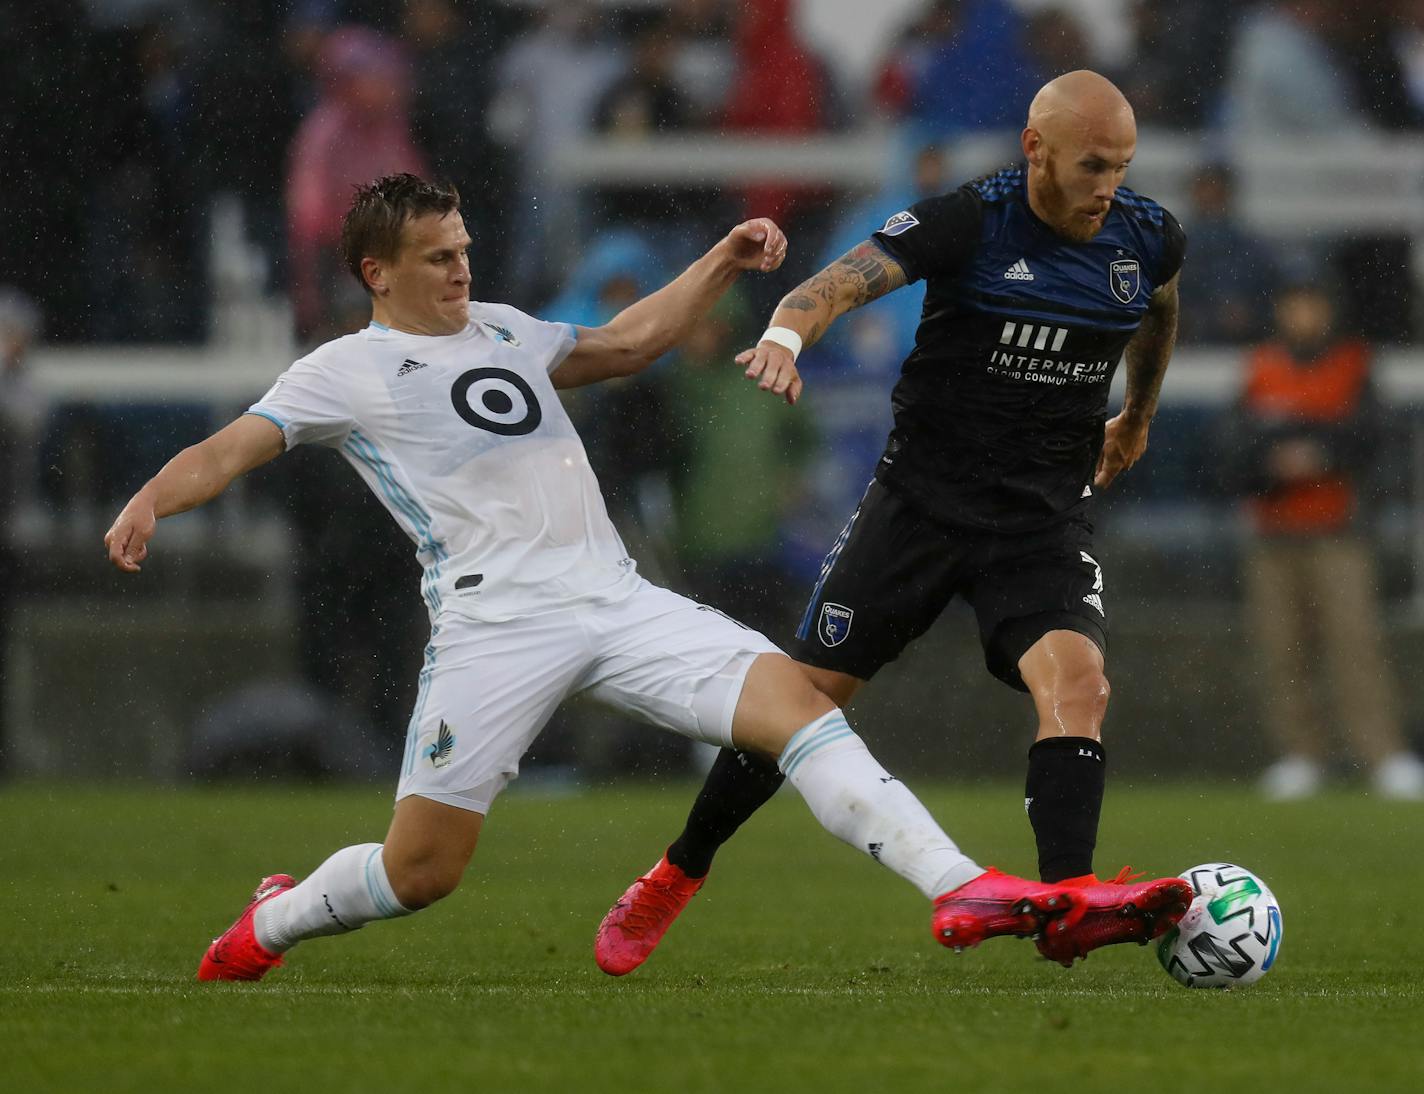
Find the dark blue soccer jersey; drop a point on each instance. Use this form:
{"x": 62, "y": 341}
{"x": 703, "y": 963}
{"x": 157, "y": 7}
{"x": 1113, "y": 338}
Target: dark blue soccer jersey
{"x": 1000, "y": 407}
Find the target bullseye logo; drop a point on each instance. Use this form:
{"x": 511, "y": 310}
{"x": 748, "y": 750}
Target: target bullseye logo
{"x": 497, "y": 400}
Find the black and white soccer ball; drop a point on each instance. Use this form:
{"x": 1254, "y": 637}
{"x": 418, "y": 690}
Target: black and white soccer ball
{"x": 1231, "y": 934}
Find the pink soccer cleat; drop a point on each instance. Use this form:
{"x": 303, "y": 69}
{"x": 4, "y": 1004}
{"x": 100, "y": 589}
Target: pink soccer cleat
{"x": 996, "y": 903}
{"x": 1117, "y": 911}
{"x": 636, "y": 924}
{"x": 236, "y": 954}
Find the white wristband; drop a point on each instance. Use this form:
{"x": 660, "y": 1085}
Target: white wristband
{"x": 783, "y": 336}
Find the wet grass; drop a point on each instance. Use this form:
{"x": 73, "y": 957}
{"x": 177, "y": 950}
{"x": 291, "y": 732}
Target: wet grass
{"x": 802, "y": 967}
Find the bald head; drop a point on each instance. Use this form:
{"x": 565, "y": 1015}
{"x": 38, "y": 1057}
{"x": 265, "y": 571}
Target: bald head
{"x": 1085, "y": 104}
{"x": 1080, "y": 137}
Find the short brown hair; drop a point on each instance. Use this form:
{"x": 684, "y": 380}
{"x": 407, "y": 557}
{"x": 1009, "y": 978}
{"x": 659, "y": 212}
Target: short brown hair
{"x": 379, "y": 212}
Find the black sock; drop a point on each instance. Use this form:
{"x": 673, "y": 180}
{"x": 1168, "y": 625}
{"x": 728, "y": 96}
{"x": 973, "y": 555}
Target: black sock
{"x": 737, "y": 786}
{"x": 1064, "y": 796}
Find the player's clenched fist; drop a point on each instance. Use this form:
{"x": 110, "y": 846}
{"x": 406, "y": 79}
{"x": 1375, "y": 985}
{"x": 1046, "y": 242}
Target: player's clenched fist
{"x": 127, "y": 540}
{"x": 757, "y": 245}
{"x": 774, "y": 368}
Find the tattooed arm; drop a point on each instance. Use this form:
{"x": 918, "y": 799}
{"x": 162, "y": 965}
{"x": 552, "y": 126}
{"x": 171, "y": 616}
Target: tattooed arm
{"x": 1125, "y": 438}
{"x": 862, "y": 274}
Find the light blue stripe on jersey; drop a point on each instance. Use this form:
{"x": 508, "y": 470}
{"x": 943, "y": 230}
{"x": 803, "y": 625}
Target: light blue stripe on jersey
{"x": 362, "y": 449}
{"x": 412, "y": 733}
{"x": 271, "y": 418}
{"x": 824, "y": 731}
{"x": 804, "y": 630}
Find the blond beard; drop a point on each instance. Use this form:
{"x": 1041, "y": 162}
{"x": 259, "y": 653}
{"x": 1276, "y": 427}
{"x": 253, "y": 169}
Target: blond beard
{"x": 1061, "y": 221}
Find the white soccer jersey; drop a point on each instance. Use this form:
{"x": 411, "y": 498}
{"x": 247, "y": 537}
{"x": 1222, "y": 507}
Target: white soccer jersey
{"x": 464, "y": 440}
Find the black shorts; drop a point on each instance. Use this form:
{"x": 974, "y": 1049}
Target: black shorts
{"x": 892, "y": 571}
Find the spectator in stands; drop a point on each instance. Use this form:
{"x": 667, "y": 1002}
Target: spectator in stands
{"x": 1285, "y": 77}
{"x": 147, "y": 278}
{"x": 780, "y": 90}
{"x": 1228, "y": 297}
{"x": 1056, "y": 38}
{"x": 1366, "y": 41}
{"x": 731, "y": 553}
{"x": 359, "y": 130}
{"x": 455, "y": 48}
{"x": 1174, "y": 74}
{"x": 550, "y": 80}
{"x": 22, "y": 412}
{"x": 1300, "y": 452}
{"x": 905, "y": 68}
{"x": 246, "y": 98}
{"x": 645, "y": 100}
{"x": 644, "y": 103}
{"x": 704, "y": 63}
{"x": 1407, "y": 40}
{"x": 977, "y": 73}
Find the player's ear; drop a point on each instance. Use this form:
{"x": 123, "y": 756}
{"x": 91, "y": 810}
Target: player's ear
{"x": 374, "y": 273}
{"x": 1031, "y": 141}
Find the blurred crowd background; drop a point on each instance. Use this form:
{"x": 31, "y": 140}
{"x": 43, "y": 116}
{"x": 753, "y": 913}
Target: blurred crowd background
{"x": 175, "y": 172}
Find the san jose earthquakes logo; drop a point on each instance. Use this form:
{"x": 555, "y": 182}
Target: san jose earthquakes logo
{"x": 1125, "y": 278}
{"x": 835, "y": 623}
{"x": 900, "y": 222}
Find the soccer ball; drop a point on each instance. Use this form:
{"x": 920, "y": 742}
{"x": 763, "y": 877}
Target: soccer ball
{"x": 1230, "y": 935}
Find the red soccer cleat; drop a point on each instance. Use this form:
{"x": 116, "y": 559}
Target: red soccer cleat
{"x": 636, "y": 924}
{"x": 236, "y": 954}
{"x": 995, "y": 903}
{"x": 1117, "y": 911}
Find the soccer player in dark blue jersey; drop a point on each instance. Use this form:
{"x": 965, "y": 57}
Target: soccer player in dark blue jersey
{"x": 1039, "y": 279}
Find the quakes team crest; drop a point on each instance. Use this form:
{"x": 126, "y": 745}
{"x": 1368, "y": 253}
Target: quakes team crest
{"x": 1124, "y": 274}
{"x": 835, "y": 623}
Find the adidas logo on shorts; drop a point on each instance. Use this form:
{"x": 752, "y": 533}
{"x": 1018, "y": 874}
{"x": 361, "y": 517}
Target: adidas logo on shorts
{"x": 1019, "y": 271}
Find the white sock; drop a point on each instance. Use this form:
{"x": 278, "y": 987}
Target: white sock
{"x": 344, "y": 893}
{"x": 855, "y": 799}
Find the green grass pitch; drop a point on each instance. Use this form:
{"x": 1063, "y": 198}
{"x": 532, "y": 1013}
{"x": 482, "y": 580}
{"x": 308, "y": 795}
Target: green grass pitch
{"x": 802, "y": 967}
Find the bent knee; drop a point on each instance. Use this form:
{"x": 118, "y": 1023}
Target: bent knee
{"x": 420, "y": 886}
{"x": 1088, "y": 689}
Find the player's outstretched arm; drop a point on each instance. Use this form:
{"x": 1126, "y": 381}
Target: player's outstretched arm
{"x": 194, "y": 476}
{"x": 1125, "y": 437}
{"x": 642, "y": 332}
{"x": 862, "y": 274}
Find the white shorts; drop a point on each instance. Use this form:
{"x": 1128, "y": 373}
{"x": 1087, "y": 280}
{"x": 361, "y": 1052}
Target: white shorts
{"x": 487, "y": 689}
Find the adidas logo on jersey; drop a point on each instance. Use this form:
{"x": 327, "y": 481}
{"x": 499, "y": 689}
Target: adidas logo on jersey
{"x": 1019, "y": 271}
{"x": 407, "y": 367}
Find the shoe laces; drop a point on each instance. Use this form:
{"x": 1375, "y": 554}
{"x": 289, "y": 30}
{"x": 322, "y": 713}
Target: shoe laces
{"x": 650, "y": 907}
{"x": 1124, "y": 877}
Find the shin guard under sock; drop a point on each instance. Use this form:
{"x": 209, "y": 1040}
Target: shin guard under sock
{"x": 1064, "y": 798}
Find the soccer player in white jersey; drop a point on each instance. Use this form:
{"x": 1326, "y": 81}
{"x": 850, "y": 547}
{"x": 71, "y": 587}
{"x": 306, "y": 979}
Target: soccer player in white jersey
{"x": 446, "y": 407}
